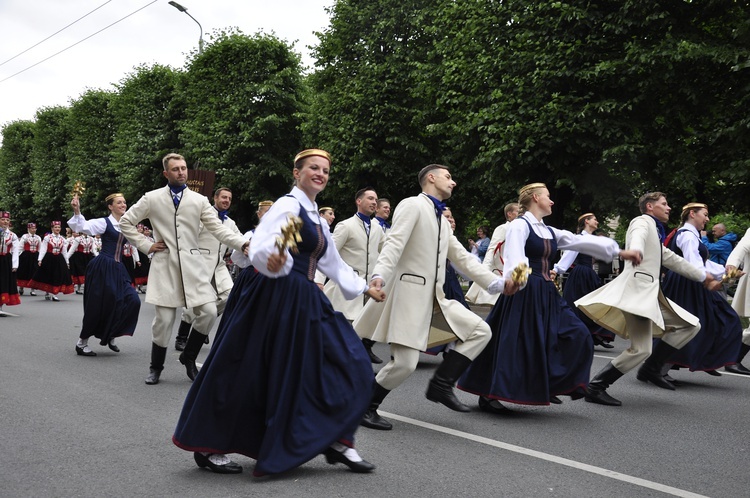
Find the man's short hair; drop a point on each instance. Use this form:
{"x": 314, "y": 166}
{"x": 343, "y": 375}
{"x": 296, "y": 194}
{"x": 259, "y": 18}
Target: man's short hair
{"x": 649, "y": 198}
{"x": 383, "y": 200}
{"x": 422, "y": 176}
{"x": 172, "y": 155}
{"x": 220, "y": 190}
{"x": 513, "y": 206}
{"x": 361, "y": 192}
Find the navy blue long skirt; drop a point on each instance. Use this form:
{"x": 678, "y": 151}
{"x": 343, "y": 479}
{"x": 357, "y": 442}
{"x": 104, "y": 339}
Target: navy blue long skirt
{"x": 539, "y": 348}
{"x": 718, "y": 342}
{"x": 286, "y": 377}
{"x": 581, "y": 281}
{"x": 110, "y": 304}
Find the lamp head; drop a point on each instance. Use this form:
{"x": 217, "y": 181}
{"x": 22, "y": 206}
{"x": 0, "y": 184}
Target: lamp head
{"x": 178, "y": 6}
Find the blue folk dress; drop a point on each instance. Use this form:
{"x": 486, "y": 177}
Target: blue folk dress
{"x": 110, "y": 304}
{"x": 581, "y": 280}
{"x": 718, "y": 342}
{"x": 287, "y": 375}
{"x": 539, "y": 348}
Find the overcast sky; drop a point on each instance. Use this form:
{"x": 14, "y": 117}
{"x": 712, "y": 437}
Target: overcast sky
{"x": 158, "y": 33}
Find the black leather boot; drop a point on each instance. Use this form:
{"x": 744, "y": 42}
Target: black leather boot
{"x": 190, "y": 354}
{"x": 182, "y": 334}
{"x": 368, "y": 343}
{"x": 158, "y": 355}
{"x": 597, "y": 390}
{"x": 738, "y": 367}
{"x": 371, "y": 418}
{"x": 440, "y": 389}
{"x": 650, "y": 371}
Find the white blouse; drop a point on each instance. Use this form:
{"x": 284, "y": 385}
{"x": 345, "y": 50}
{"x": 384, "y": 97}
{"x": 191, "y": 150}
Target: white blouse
{"x": 264, "y": 244}
{"x": 688, "y": 242}
{"x": 601, "y": 248}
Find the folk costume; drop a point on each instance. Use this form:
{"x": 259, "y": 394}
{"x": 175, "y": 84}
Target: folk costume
{"x": 412, "y": 265}
{"x": 28, "y": 260}
{"x": 130, "y": 258}
{"x": 740, "y": 256}
{"x": 539, "y": 347}
{"x": 213, "y": 257}
{"x": 581, "y": 280}
{"x": 634, "y": 307}
{"x": 8, "y": 267}
{"x": 52, "y": 276}
{"x": 311, "y": 377}
{"x": 141, "y": 272}
{"x": 178, "y": 278}
{"x": 110, "y": 304}
{"x": 717, "y": 344}
{"x": 81, "y": 251}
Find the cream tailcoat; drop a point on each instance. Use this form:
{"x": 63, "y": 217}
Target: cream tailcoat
{"x": 741, "y": 255}
{"x": 360, "y": 251}
{"x": 213, "y": 255}
{"x": 412, "y": 264}
{"x": 178, "y": 277}
{"x": 637, "y": 290}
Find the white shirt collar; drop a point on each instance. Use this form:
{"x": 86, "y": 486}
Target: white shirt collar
{"x": 532, "y": 219}
{"x": 304, "y": 200}
{"x": 690, "y": 227}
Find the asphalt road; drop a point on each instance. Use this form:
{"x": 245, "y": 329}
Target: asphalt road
{"x": 79, "y": 426}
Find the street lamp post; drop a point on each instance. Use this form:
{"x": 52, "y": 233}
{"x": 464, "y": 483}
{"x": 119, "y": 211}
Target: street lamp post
{"x": 184, "y": 9}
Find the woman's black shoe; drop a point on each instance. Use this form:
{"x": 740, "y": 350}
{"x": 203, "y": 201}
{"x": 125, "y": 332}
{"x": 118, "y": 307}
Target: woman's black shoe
{"x": 492, "y": 406}
{"x": 113, "y": 347}
{"x": 333, "y": 457}
{"x": 555, "y": 400}
{"x": 228, "y": 468}
{"x": 81, "y": 351}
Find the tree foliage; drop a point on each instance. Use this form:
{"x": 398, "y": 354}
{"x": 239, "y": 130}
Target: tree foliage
{"x": 243, "y": 99}
{"x": 600, "y": 100}
{"x": 49, "y": 173}
{"x": 368, "y": 108}
{"x": 15, "y": 171}
{"x": 146, "y": 115}
{"x": 92, "y": 128}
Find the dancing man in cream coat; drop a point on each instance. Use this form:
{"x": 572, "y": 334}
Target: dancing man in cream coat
{"x": 411, "y": 265}
{"x": 633, "y": 306}
{"x": 178, "y": 277}
{"x": 493, "y": 259}
{"x": 213, "y": 255}
{"x": 740, "y": 255}
{"x": 358, "y": 242}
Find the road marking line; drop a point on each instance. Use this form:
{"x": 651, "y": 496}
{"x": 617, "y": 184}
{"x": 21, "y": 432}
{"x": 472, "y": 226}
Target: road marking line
{"x": 548, "y": 457}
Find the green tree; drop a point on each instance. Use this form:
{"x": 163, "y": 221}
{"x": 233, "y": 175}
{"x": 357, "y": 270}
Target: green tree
{"x": 49, "y": 172}
{"x": 600, "y": 101}
{"x": 146, "y": 114}
{"x": 244, "y": 99}
{"x": 15, "y": 171}
{"x": 372, "y": 108}
{"x": 91, "y": 126}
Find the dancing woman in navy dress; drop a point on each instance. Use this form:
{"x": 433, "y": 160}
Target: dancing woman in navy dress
{"x": 582, "y": 279}
{"x": 539, "y": 347}
{"x": 287, "y": 378}
{"x": 718, "y": 342}
{"x": 110, "y": 304}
